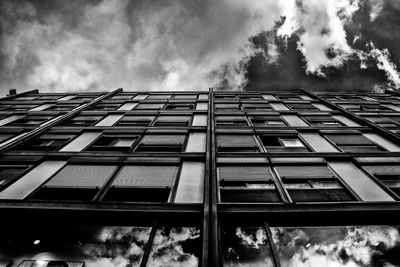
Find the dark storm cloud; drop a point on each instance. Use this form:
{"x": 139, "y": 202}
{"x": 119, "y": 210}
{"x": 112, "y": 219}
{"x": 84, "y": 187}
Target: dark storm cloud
{"x": 368, "y": 53}
{"x": 192, "y": 45}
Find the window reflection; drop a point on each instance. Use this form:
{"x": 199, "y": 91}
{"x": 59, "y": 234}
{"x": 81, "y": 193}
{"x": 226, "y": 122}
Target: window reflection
{"x": 89, "y": 246}
{"x": 245, "y": 247}
{"x": 173, "y": 246}
{"x": 356, "y": 246}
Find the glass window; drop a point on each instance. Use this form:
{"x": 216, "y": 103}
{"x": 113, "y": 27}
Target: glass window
{"x": 4, "y": 137}
{"x": 127, "y": 106}
{"x": 175, "y": 246}
{"x": 199, "y": 120}
{"x": 322, "y": 121}
{"x": 8, "y": 174}
{"x": 302, "y": 107}
{"x": 312, "y": 184}
{"x": 83, "y": 120}
{"x": 273, "y": 143}
{"x": 389, "y": 175}
{"x": 256, "y": 107}
{"x": 155, "y": 97}
{"x": 196, "y": 142}
{"x": 267, "y": 121}
{"x": 75, "y": 246}
{"x": 109, "y": 120}
{"x": 291, "y": 142}
{"x": 244, "y": 173}
{"x": 201, "y": 106}
{"x": 184, "y": 97}
{"x": 46, "y": 142}
{"x": 121, "y": 97}
{"x": 162, "y": 143}
{"x": 236, "y": 143}
{"x": 75, "y": 182}
{"x": 67, "y": 97}
{"x": 354, "y": 143}
{"x": 62, "y": 107}
{"x": 81, "y": 142}
{"x": 191, "y": 183}
{"x": 109, "y": 143}
{"x": 156, "y": 106}
{"x": 279, "y": 106}
{"x": 132, "y": 121}
{"x": 30, "y": 120}
{"x": 142, "y": 184}
{"x": 123, "y": 143}
{"x": 318, "y": 143}
{"x": 245, "y": 246}
{"x": 180, "y": 106}
{"x": 336, "y": 245}
{"x": 173, "y": 121}
{"x": 294, "y": 120}
{"x": 230, "y": 106}
{"x": 24, "y": 186}
{"x": 359, "y": 182}
{"x": 247, "y": 184}
{"x": 231, "y": 121}
{"x": 105, "y": 106}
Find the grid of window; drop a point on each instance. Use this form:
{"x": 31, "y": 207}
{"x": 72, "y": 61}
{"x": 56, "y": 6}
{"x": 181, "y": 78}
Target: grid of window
{"x": 201, "y": 158}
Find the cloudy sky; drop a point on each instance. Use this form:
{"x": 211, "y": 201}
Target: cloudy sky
{"x": 57, "y": 45}
{"x": 328, "y": 246}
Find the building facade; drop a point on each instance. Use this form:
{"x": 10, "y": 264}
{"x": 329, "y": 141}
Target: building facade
{"x": 208, "y": 178}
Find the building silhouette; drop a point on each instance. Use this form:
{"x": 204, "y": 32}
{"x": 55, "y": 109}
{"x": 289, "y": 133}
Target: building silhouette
{"x": 208, "y": 178}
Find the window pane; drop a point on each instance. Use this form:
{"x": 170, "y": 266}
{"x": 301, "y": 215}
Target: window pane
{"x": 291, "y": 142}
{"x": 163, "y": 140}
{"x": 361, "y": 184}
{"x": 124, "y": 143}
{"x": 260, "y": 186}
{"x": 294, "y": 172}
{"x": 173, "y": 246}
{"x": 337, "y": 245}
{"x": 148, "y": 176}
{"x": 246, "y": 247}
{"x": 74, "y": 246}
{"x": 244, "y": 173}
{"x": 82, "y": 176}
{"x": 325, "y": 184}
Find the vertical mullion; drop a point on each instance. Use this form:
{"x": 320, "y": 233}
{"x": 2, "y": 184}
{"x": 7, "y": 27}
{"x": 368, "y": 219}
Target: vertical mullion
{"x": 275, "y": 254}
{"x": 147, "y": 249}
{"x": 206, "y": 196}
{"x": 215, "y": 246}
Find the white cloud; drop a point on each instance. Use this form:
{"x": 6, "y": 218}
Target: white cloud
{"x": 174, "y": 45}
{"x": 258, "y": 239}
{"x": 383, "y": 63}
{"x": 319, "y": 26}
{"x": 167, "y": 249}
{"x": 376, "y": 8}
{"x": 326, "y": 246}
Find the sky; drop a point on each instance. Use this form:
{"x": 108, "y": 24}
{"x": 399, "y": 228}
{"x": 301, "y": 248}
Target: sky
{"x": 328, "y": 246}
{"x": 139, "y": 45}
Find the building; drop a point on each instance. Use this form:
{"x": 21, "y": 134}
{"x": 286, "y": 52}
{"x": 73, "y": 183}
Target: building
{"x": 199, "y": 179}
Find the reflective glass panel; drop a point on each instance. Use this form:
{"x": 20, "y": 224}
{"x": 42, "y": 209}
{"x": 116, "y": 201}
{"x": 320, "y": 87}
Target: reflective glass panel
{"x": 245, "y": 246}
{"x": 356, "y": 246}
{"x": 175, "y": 246}
{"x": 89, "y": 246}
